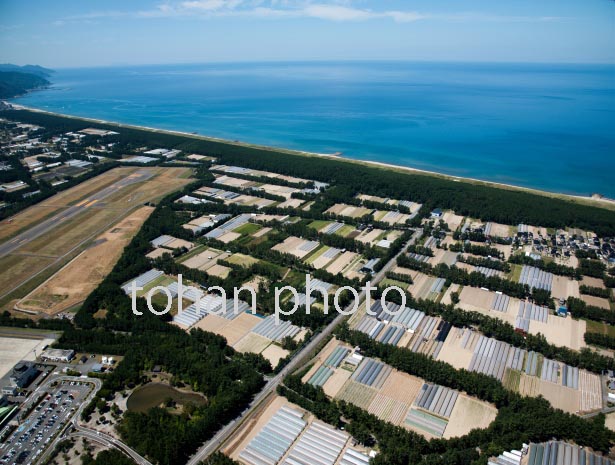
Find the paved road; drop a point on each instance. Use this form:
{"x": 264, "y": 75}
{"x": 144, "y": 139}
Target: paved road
{"x": 109, "y": 442}
{"x": 45, "y": 226}
{"x": 214, "y": 443}
{"x": 102, "y": 438}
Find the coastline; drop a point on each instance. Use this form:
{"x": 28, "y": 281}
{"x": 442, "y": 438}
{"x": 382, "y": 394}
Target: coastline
{"x": 602, "y": 202}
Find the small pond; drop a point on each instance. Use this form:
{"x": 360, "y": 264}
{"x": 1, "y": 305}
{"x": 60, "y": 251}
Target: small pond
{"x": 153, "y": 394}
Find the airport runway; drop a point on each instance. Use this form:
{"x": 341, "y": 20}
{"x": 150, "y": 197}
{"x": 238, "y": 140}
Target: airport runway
{"x": 56, "y": 220}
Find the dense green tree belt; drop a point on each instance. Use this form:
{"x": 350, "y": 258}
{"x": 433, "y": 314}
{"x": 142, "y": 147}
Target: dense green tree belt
{"x": 477, "y": 200}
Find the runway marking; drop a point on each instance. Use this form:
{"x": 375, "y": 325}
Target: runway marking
{"x": 80, "y": 204}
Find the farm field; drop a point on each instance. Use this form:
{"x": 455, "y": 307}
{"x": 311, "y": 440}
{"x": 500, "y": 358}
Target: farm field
{"x": 596, "y": 301}
{"x": 528, "y": 373}
{"x": 468, "y": 414}
{"x": 296, "y": 246}
{"x": 341, "y": 262}
{"x": 564, "y": 287}
{"x": 203, "y": 258}
{"x": 232, "y": 330}
{"x": 566, "y": 332}
{"x": 350, "y": 211}
{"x": 392, "y": 395}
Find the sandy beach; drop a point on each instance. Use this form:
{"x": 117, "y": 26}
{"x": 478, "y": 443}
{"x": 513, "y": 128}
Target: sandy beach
{"x": 593, "y": 200}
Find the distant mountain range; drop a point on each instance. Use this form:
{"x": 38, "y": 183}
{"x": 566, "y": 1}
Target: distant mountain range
{"x": 16, "y": 80}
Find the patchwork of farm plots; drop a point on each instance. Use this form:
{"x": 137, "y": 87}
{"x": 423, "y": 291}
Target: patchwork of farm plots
{"x": 229, "y": 197}
{"x": 396, "y": 397}
{"x": 529, "y": 373}
{"x": 560, "y": 331}
{"x": 336, "y": 261}
{"x": 286, "y": 434}
{"x": 267, "y": 174}
{"x": 242, "y": 226}
{"x": 385, "y": 216}
{"x": 244, "y": 330}
{"x": 272, "y": 189}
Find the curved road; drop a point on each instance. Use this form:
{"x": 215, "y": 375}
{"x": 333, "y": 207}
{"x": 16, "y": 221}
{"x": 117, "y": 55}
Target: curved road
{"x": 82, "y": 431}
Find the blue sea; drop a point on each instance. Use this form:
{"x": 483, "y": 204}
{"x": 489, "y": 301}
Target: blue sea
{"x": 550, "y": 127}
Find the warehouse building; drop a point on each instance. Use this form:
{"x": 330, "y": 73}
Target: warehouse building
{"x": 58, "y": 355}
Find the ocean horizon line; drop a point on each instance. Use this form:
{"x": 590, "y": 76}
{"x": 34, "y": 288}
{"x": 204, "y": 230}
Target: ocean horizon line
{"x": 339, "y": 61}
{"x": 534, "y": 126}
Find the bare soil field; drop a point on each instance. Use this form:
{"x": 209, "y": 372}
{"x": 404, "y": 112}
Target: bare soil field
{"x": 566, "y": 332}
{"x": 323, "y": 261}
{"x": 274, "y": 354}
{"x": 232, "y": 330}
{"x": 406, "y": 271}
{"x": 205, "y": 259}
{"x": 292, "y": 246}
{"x": 255, "y": 282}
{"x": 335, "y": 383}
{"x": 501, "y": 230}
{"x": 453, "y": 353}
{"x": 73, "y": 283}
{"x": 219, "y": 270}
{"x": 452, "y": 220}
{"x": 467, "y": 415}
{"x": 446, "y": 298}
{"x": 480, "y": 300}
{"x": 564, "y": 287}
{"x": 156, "y": 253}
{"x": 252, "y": 342}
{"x": 229, "y": 236}
{"x": 369, "y": 237}
{"x": 341, "y": 262}
{"x": 291, "y": 203}
{"x": 505, "y": 249}
{"x": 401, "y": 387}
{"x": 476, "y": 298}
{"x": 239, "y": 327}
{"x": 596, "y": 301}
{"x": 444, "y": 256}
{"x": 178, "y": 243}
{"x": 561, "y": 397}
{"x": 421, "y": 285}
{"x": 212, "y": 324}
{"x": 593, "y": 282}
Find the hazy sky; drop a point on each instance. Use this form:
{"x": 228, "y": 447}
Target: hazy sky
{"x": 62, "y": 33}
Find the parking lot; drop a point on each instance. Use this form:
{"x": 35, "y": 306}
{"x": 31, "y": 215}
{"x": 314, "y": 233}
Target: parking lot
{"x": 47, "y": 419}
